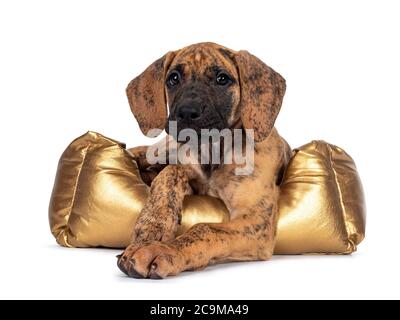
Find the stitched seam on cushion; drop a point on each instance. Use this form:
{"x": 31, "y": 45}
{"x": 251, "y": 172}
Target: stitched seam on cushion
{"x": 344, "y": 213}
{"x": 76, "y": 184}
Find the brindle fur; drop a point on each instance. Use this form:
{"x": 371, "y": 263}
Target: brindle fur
{"x": 252, "y": 100}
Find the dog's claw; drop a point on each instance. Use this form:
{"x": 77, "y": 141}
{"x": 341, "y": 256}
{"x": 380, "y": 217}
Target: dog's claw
{"x": 153, "y": 273}
{"x": 155, "y": 276}
{"x": 134, "y": 274}
{"x": 129, "y": 271}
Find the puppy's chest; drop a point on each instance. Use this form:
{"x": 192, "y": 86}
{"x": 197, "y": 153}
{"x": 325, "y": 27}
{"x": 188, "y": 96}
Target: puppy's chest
{"x": 219, "y": 183}
{"x": 208, "y": 182}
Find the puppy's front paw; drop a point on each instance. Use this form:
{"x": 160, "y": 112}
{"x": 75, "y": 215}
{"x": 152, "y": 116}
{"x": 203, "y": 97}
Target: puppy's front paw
{"x": 154, "y": 260}
{"x": 155, "y": 227}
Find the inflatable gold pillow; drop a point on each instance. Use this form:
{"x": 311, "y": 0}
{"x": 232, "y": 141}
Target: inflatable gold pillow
{"x": 98, "y": 193}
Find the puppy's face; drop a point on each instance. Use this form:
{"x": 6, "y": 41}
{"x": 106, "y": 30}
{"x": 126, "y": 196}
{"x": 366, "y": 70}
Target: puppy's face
{"x": 202, "y": 89}
{"x": 207, "y": 86}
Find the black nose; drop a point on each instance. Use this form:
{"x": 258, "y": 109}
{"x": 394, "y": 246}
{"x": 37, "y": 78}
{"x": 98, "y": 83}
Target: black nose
{"x": 189, "y": 112}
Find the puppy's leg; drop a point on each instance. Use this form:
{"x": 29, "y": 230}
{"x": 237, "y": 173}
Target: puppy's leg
{"x": 249, "y": 236}
{"x": 148, "y": 171}
{"x": 160, "y": 216}
{"x": 139, "y": 154}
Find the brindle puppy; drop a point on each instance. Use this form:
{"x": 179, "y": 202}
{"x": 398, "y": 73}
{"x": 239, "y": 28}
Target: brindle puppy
{"x": 208, "y": 86}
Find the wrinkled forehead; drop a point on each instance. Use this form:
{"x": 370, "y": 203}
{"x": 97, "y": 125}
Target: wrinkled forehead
{"x": 202, "y": 59}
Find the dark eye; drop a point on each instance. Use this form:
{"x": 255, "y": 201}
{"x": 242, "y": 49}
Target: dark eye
{"x": 222, "y": 79}
{"x": 173, "y": 79}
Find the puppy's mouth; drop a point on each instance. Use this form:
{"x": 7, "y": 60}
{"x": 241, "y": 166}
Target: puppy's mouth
{"x": 181, "y": 129}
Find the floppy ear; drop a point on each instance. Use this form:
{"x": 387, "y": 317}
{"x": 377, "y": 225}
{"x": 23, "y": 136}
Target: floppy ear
{"x": 146, "y": 95}
{"x": 262, "y": 91}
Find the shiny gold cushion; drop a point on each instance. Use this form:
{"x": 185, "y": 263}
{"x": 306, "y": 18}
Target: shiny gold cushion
{"x": 98, "y": 194}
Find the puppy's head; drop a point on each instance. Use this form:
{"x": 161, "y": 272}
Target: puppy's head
{"x": 207, "y": 86}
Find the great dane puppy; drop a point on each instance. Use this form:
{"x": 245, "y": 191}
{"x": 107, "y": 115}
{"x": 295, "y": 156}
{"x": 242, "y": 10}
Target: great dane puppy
{"x": 208, "y": 86}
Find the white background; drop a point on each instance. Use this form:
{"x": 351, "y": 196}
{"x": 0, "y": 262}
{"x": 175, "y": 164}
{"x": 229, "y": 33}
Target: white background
{"x": 64, "y": 66}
